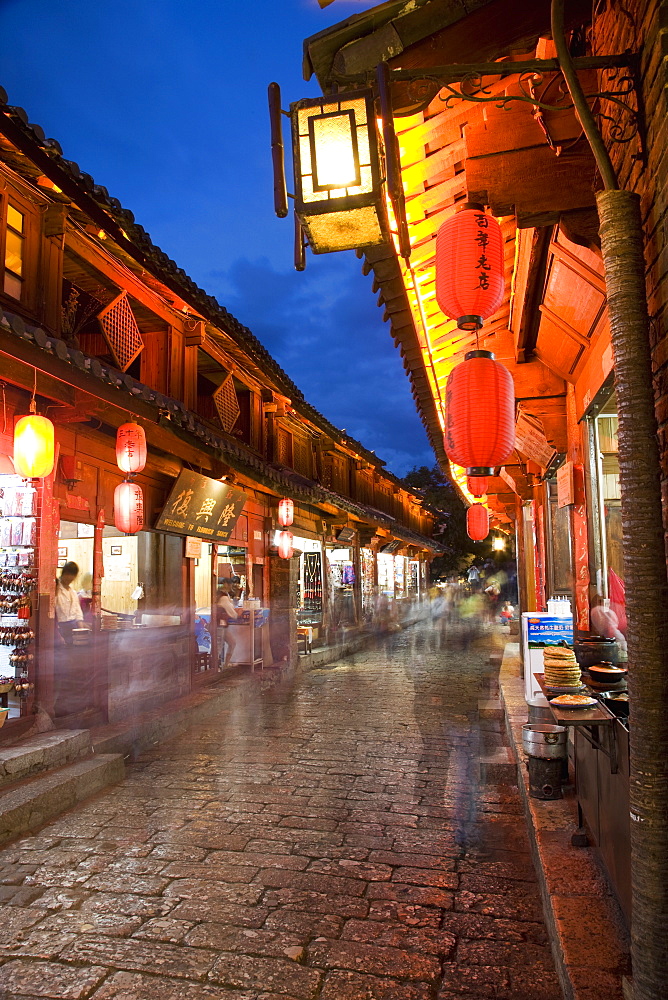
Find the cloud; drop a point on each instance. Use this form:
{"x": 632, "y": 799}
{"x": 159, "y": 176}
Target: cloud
{"x": 325, "y": 330}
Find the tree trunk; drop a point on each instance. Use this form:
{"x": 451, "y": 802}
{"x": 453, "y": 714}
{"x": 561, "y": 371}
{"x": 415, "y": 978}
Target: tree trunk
{"x": 646, "y": 587}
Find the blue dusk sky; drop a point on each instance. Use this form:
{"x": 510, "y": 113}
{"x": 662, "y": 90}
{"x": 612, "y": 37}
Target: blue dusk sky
{"x": 165, "y": 103}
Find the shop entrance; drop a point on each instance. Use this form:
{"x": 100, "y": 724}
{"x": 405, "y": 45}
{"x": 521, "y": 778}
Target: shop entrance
{"x": 229, "y": 566}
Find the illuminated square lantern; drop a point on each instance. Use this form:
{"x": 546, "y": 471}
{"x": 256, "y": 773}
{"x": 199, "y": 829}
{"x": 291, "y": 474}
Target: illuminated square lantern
{"x": 338, "y": 196}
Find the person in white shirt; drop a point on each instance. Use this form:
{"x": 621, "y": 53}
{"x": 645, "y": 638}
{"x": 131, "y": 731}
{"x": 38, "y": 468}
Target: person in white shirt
{"x": 606, "y": 623}
{"x": 225, "y": 610}
{"x": 68, "y": 608}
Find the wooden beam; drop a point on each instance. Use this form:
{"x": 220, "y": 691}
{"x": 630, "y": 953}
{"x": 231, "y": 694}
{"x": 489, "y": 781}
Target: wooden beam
{"x": 529, "y": 289}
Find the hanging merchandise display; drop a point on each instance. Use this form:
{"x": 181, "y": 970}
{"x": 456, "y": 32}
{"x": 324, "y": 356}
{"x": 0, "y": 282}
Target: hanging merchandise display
{"x": 469, "y": 266}
{"x": 129, "y": 508}
{"x": 312, "y": 593}
{"x": 477, "y": 522}
{"x": 477, "y": 485}
{"x": 131, "y": 448}
{"x": 286, "y": 512}
{"x": 285, "y": 549}
{"x": 34, "y": 446}
{"x": 480, "y": 414}
{"x": 18, "y": 586}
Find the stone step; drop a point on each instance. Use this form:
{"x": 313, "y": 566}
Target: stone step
{"x": 43, "y": 752}
{"x": 498, "y": 767}
{"x": 27, "y": 806}
{"x": 490, "y": 708}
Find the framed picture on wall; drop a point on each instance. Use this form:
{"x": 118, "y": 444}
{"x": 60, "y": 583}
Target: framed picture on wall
{"x": 116, "y": 550}
{"x": 62, "y": 561}
{"x": 62, "y": 554}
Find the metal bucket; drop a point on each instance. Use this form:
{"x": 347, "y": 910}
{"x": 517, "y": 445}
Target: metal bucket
{"x": 545, "y": 741}
{"x": 540, "y": 711}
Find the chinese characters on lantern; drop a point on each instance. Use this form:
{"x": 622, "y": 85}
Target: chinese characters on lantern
{"x": 482, "y": 239}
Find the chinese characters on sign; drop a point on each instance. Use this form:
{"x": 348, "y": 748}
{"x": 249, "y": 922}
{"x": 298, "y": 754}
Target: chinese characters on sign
{"x": 549, "y": 631}
{"x": 202, "y": 508}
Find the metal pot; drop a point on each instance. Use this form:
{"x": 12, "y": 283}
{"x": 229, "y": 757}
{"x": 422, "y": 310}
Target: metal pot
{"x": 540, "y": 711}
{"x": 544, "y": 741}
{"x": 593, "y": 649}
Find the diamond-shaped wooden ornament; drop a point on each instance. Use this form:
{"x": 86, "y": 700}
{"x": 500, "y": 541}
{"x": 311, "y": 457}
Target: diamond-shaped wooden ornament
{"x": 227, "y": 403}
{"x": 120, "y": 330}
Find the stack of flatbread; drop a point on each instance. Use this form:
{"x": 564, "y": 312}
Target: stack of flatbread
{"x": 561, "y": 667}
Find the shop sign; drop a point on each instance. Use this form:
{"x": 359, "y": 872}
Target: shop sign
{"x": 565, "y": 485}
{"x": 201, "y": 507}
{"x": 193, "y": 548}
{"x": 546, "y": 631}
{"x": 531, "y": 441}
{"x": 345, "y": 535}
{"x": 75, "y": 502}
{"x": 391, "y": 547}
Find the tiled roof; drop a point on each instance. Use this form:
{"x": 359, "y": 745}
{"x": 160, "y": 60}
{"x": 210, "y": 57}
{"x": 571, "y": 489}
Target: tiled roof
{"x": 181, "y": 419}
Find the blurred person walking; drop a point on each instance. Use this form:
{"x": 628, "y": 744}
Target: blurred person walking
{"x": 226, "y": 611}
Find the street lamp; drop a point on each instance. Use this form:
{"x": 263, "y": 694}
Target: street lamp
{"x": 338, "y": 196}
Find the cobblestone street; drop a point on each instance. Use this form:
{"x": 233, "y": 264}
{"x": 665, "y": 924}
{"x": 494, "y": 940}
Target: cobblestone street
{"x": 331, "y": 839}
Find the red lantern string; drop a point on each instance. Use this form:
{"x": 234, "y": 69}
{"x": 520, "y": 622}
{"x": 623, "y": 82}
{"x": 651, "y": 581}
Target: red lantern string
{"x": 285, "y": 549}
{"x": 477, "y": 522}
{"x": 470, "y": 278}
{"x": 131, "y": 448}
{"x": 129, "y": 508}
{"x": 480, "y": 414}
{"x": 477, "y": 485}
{"x": 286, "y": 512}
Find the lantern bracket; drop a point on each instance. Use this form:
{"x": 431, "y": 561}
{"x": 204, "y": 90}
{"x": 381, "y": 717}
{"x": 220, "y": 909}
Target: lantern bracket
{"x": 618, "y": 103}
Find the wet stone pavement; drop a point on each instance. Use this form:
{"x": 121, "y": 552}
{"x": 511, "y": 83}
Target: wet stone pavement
{"x": 331, "y": 839}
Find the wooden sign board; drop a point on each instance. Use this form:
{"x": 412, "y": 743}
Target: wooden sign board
{"x": 193, "y": 548}
{"x": 202, "y": 508}
{"x": 531, "y": 441}
{"x": 565, "y": 485}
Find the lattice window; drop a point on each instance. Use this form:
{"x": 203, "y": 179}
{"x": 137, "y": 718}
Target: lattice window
{"x": 227, "y": 403}
{"x": 121, "y": 331}
{"x": 284, "y": 440}
{"x": 302, "y": 450}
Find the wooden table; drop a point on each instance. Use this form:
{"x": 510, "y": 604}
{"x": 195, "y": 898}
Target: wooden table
{"x": 597, "y": 726}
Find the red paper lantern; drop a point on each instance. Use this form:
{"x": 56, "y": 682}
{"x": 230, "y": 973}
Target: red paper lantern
{"x": 286, "y": 512}
{"x": 130, "y": 448}
{"x": 285, "y": 549}
{"x": 34, "y": 447}
{"x": 477, "y": 522}
{"x": 477, "y": 485}
{"x": 480, "y": 414}
{"x": 469, "y": 266}
{"x": 129, "y": 508}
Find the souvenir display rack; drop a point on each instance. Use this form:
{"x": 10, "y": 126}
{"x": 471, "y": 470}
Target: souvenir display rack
{"x": 18, "y": 587}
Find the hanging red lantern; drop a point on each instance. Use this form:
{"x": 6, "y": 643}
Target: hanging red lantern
{"x": 285, "y": 549}
{"x": 131, "y": 448}
{"x": 477, "y": 485}
{"x": 480, "y": 414}
{"x": 477, "y": 522}
{"x": 129, "y": 508}
{"x": 469, "y": 266}
{"x": 286, "y": 512}
{"x": 34, "y": 446}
